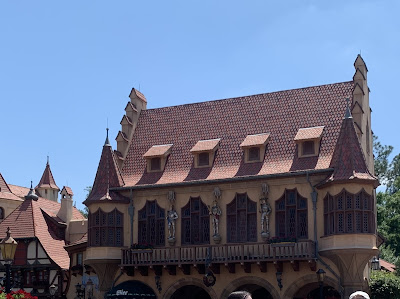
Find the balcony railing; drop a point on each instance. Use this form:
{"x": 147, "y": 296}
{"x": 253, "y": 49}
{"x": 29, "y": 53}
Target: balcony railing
{"x": 227, "y": 253}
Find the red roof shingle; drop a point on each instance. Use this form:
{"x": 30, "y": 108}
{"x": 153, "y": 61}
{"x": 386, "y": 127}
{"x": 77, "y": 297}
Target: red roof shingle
{"x": 309, "y": 133}
{"x": 279, "y": 113}
{"x": 47, "y": 180}
{"x": 205, "y": 145}
{"x": 254, "y": 140}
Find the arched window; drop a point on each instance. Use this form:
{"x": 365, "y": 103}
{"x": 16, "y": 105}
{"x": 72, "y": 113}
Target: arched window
{"x": 1, "y": 214}
{"x": 152, "y": 224}
{"x": 291, "y": 215}
{"x": 241, "y": 216}
{"x": 348, "y": 213}
{"x": 105, "y": 229}
{"x": 195, "y": 222}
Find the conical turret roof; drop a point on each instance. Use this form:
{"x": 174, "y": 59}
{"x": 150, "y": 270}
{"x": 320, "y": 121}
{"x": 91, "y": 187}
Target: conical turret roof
{"x": 47, "y": 180}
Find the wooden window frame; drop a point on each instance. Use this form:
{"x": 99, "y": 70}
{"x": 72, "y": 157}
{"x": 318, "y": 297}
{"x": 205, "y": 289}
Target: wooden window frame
{"x": 199, "y": 216}
{"x": 337, "y": 208}
{"x": 103, "y": 233}
{"x": 146, "y": 216}
{"x": 233, "y": 226}
{"x": 283, "y": 209}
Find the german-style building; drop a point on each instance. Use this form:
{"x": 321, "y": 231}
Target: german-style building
{"x": 252, "y": 193}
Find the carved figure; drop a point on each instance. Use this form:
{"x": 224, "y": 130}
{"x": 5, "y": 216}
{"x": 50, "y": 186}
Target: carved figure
{"x": 172, "y": 215}
{"x": 215, "y": 212}
{"x": 265, "y": 210}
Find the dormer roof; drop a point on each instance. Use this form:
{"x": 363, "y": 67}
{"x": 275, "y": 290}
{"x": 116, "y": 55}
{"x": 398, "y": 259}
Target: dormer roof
{"x": 309, "y": 133}
{"x": 158, "y": 151}
{"x": 47, "y": 180}
{"x": 255, "y": 140}
{"x": 205, "y": 145}
{"x": 67, "y": 190}
{"x": 137, "y": 93}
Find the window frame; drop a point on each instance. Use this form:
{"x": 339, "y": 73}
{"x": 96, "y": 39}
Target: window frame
{"x": 145, "y": 217}
{"x": 104, "y": 233}
{"x": 201, "y": 217}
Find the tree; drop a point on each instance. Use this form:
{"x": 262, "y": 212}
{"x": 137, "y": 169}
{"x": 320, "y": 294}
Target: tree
{"x": 85, "y": 211}
{"x": 384, "y": 285}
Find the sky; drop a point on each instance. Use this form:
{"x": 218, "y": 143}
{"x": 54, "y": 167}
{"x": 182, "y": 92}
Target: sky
{"x": 67, "y": 67}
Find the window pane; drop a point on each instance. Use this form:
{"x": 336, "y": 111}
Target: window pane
{"x": 254, "y": 154}
{"x": 204, "y": 159}
{"x": 155, "y": 164}
{"x": 308, "y": 148}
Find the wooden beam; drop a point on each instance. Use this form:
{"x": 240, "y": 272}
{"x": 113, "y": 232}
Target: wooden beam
{"x": 144, "y": 270}
{"x": 157, "y": 270}
{"x": 201, "y": 269}
{"x": 215, "y": 268}
{"x": 262, "y": 266}
{"x": 171, "y": 269}
{"x": 313, "y": 265}
{"x": 246, "y": 267}
{"x": 295, "y": 265}
{"x": 231, "y": 267}
{"x": 185, "y": 269}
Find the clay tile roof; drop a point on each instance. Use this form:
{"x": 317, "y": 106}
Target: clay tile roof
{"x": 387, "y": 266}
{"x": 47, "y": 180}
{"x": 19, "y": 191}
{"x": 348, "y": 158}
{"x": 138, "y": 94}
{"x": 3, "y": 185}
{"x": 255, "y": 140}
{"x": 68, "y": 190}
{"x": 205, "y": 145}
{"x": 108, "y": 176}
{"x": 278, "y": 113}
{"x": 158, "y": 150}
{"x": 309, "y": 133}
{"x": 29, "y": 221}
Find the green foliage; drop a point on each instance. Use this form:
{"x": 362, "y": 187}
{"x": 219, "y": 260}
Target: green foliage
{"x": 85, "y": 211}
{"x": 384, "y": 285}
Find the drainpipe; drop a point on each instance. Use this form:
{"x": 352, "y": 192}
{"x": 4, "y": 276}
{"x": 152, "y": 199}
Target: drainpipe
{"x": 314, "y": 197}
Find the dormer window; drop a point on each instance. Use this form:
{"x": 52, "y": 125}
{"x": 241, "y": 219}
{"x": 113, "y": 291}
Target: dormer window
{"x": 204, "y": 152}
{"x": 254, "y": 146}
{"x": 156, "y": 157}
{"x": 155, "y": 164}
{"x": 254, "y": 153}
{"x": 308, "y": 141}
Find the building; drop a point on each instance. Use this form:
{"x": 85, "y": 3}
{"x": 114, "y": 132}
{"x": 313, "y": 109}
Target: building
{"x": 251, "y": 193}
{"x": 42, "y": 226}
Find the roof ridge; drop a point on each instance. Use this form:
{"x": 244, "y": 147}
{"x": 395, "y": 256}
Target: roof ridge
{"x": 245, "y": 96}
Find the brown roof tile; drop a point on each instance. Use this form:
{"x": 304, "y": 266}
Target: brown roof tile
{"x": 348, "y": 158}
{"x": 157, "y": 150}
{"x": 68, "y": 190}
{"x": 108, "y": 176}
{"x": 279, "y": 113}
{"x": 3, "y": 185}
{"x": 255, "y": 140}
{"x": 28, "y": 221}
{"x": 205, "y": 145}
{"x": 309, "y": 133}
{"x": 47, "y": 180}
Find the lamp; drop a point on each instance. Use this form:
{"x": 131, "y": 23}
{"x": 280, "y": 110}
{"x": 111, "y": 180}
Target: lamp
{"x": 8, "y": 246}
{"x": 52, "y": 290}
{"x": 89, "y": 288}
{"x": 321, "y": 276}
{"x": 279, "y": 279}
{"x": 375, "y": 263}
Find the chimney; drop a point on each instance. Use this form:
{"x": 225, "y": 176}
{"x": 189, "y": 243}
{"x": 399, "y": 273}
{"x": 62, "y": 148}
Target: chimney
{"x": 65, "y": 212}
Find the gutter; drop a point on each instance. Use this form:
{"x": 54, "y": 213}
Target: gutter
{"x": 314, "y": 197}
{"x": 226, "y": 180}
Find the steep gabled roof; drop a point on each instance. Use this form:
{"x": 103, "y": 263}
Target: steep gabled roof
{"x": 5, "y": 190}
{"x": 29, "y": 221}
{"x": 348, "y": 158}
{"x": 108, "y": 176}
{"x": 47, "y": 180}
{"x": 281, "y": 114}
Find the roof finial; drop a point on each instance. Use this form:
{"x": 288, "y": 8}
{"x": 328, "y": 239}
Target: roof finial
{"x": 47, "y": 159}
{"x": 348, "y": 113}
{"x": 31, "y": 185}
{"x": 107, "y": 143}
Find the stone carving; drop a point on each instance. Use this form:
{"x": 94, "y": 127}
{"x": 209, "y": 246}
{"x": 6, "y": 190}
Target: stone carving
{"x": 215, "y": 211}
{"x": 265, "y": 210}
{"x": 172, "y": 215}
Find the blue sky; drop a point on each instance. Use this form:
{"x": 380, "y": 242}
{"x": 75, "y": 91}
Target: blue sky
{"x": 66, "y": 67}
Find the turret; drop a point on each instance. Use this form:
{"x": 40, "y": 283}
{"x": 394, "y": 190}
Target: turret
{"x": 47, "y": 187}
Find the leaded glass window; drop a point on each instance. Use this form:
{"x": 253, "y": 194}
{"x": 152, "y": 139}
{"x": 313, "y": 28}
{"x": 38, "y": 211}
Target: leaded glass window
{"x": 195, "y": 222}
{"x": 104, "y": 228}
{"x": 151, "y": 224}
{"x": 291, "y": 215}
{"x": 242, "y": 219}
{"x": 353, "y": 213}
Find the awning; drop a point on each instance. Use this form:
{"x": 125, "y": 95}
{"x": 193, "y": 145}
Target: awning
{"x": 131, "y": 289}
